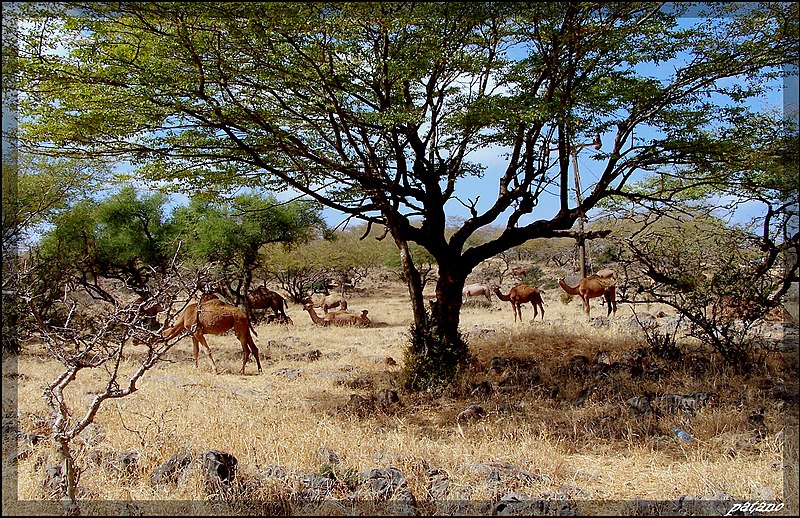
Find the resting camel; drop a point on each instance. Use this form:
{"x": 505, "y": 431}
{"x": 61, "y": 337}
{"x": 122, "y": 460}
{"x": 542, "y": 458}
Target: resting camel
{"x": 591, "y": 287}
{"x": 338, "y": 318}
{"x": 212, "y": 316}
{"x": 476, "y": 290}
{"x": 264, "y": 298}
{"x": 329, "y": 302}
{"x": 519, "y": 295}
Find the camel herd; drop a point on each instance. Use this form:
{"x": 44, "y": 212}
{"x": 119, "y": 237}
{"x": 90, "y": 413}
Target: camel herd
{"x": 210, "y": 315}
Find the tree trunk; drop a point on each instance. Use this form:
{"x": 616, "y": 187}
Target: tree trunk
{"x": 69, "y": 475}
{"x": 436, "y": 351}
{"x": 447, "y": 308}
{"x": 414, "y": 282}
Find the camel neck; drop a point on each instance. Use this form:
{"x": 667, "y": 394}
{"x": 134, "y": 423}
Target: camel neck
{"x": 569, "y": 289}
{"x": 500, "y": 295}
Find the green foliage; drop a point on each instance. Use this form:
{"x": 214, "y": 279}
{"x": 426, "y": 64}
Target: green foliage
{"x": 123, "y": 236}
{"x": 566, "y": 298}
{"x": 534, "y": 276}
{"x": 233, "y": 233}
{"x": 609, "y": 254}
{"x": 431, "y": 362}
{"x": 344, "y": 475}
{"x": 133, "y": 229}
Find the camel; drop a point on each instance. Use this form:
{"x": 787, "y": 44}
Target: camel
{"x": 519, "y": 295}
{"x": 519, "y": 271}
{"x": 149, "y": 309}
{"x": 328, "y": 302}
{"x": 338, "y": 318}
{"x": 606, "y": 273}
{"x": 591, "y": 287}
{"x": 264, "y": 298}
{"x": 476, "y": 290}
{"x": 212, "y": 316}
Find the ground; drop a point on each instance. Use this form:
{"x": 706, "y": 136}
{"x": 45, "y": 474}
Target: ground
{"x": 547, "y": 411}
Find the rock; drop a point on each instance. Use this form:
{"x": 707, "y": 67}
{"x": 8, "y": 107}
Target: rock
{"x": 388, "y": 485}
{"x": 219, "y": 468}
{"x": 639, "y": 405}
{"x": 388, "y": 400}
{"x": 170, "y": 471}
{"x": 471, "y": 412}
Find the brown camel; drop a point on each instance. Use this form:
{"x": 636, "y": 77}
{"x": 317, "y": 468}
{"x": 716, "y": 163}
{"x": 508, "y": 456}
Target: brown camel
{"x": 212, "y": 316}
{"x": 338, "y": 318}
{"x": 476, "y": 290}
{"x": 264, "y": 298}
{"x": 519, "y": 295}
{"x": 591, "y": 287}
{"x": 148, "y": 308}
{"x": 328, "y": 302}
{"x": 519, "y": 271}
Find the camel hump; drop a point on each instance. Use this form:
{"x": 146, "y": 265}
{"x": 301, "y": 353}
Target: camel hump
{"x": 607, "y": 281}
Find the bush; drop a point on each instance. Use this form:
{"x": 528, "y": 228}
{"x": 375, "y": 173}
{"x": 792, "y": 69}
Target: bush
{"x": 430, "y": 362}
{"x": 566, "y": 298}
{"x": 534, "y": 276}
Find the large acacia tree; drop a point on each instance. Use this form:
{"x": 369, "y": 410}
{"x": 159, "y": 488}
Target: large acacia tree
{"x": 377, "y": 109}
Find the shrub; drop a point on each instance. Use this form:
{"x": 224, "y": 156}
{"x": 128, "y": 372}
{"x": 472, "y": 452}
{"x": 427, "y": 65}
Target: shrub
{"x": 431, "y": 362}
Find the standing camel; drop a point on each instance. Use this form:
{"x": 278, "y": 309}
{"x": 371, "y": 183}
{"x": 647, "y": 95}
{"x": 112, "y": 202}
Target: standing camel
{"x": 519, "y": 295}
{"x": 606, "y": 273}
{"x": 519, "y": 271}
{"x": 328, "y": 302}
{"x": 591, "y": 287}
{"x": 264, "y": 298}
{"x": 212, "y": 316}
{"x": 476, "y": 290}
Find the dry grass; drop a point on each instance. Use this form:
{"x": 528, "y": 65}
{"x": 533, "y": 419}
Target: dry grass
{"x": 577, "y": 442}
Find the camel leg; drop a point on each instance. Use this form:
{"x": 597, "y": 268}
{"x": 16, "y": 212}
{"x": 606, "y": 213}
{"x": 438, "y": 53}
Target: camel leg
{"x": 535, "y": 312}
{"x": 612, "y": 298}
{"x": 245, "y": 352}
{"x": 196, "y": 351}
{"x": 254, "y": 350}
{"x": 248, "y": 346}
{"x": 202, "y": 339}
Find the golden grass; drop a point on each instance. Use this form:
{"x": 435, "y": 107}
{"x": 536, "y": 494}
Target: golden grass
{"x": 595, "y": 451}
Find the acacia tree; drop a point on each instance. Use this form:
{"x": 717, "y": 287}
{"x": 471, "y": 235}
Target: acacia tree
{"x": 34, "y": 191}
{"x": 126, "y": 236}
{"x": 231, "y": 234}
{"x": 377, "y": 109}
